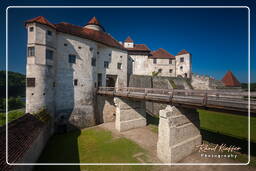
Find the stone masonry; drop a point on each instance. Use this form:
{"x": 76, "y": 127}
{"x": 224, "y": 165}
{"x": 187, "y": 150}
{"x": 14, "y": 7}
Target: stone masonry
{"x": 129, "y": 114}
{"x": 178, "y": 133}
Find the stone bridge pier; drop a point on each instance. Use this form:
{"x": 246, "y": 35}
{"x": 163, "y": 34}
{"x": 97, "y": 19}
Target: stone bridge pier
{"x": 129, "y": 114}
{"x": 178, "y": 129}
{"x": 178, "y": 133}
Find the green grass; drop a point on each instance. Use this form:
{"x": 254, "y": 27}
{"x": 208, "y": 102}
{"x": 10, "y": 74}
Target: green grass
{"x": 12, "y": 115}
{"x": 92, "y": 145}
{"x": 227, "y": 124}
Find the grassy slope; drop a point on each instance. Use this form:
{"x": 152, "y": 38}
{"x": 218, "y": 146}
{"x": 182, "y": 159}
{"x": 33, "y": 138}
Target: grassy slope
{"x": 14, "y": 114}
{"x": 90, "y": 146}
{"x": 232, "y": 125}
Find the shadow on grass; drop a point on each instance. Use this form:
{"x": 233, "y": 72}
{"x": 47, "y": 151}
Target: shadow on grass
{"x": 217, "y": 138}
{"x": 65, "y": 152}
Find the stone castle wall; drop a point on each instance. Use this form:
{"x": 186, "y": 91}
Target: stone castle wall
{"x": 54, "y": 78}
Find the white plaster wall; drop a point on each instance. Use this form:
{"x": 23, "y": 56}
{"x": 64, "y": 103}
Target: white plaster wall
{"x": 162, "y": 64}
{"x": 117, "y": 56}
{"x": 140, "y": 64}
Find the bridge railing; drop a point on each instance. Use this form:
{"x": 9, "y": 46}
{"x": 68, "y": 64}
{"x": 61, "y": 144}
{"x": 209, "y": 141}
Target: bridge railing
{"x": 235, "y": 100}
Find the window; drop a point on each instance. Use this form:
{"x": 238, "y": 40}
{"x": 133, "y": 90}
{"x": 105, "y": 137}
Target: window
{"x": 99, "y": 79}
{"x": 109, "y": 54}
{"x": 160, "y": 70}
{"x": 121, "y": 56}
{"x": 181, "y": 68}
{"x": 49, "y": 54}
{"x": 98, "y": 52}
{"x": 181, "y": 59}
{"x": 31, "y": 29}
{"x": 65, "y": 44}
{"x": 119, "y": 65}
{"x": 79, "y": 47}
{"x": 154, "y": 61}
{"x": 93, "y": 62}
{"x": 91, "y": 49}
{"x": 186, "y": 75}
{"x": 49, "y": 32}
{"x": 72, "y": 59}
{"x": 75, "y": 82}
{"x": 31, "y": 82}
{"x": 106, "y": 64}
{"x": 31, "y": 51}
{"x": 170, "y": 70}
{"x": 170, "y": 61}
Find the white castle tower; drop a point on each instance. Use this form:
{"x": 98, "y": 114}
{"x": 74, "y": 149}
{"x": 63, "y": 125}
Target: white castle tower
{"x": 183, "y": 64}
{"x": 41, "y": 52}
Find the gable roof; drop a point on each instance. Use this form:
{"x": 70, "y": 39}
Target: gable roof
{"x": 230, "y": 80}
{"x": 161, "y": 54}
{"x": 183, "y": 51}
{"x": 128, "y": 40}
{"x": 98, "y": 36}
{"x": 139, "y": 47}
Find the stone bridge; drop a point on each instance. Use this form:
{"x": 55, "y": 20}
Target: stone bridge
{"x": 178, "y": 132}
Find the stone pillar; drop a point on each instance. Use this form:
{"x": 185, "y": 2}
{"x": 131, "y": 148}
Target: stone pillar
{"x": 129, "y": 114}
{"x": 178, "y": 133}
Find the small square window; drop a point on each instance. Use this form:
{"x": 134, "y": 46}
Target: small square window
{"x": 106, "y": 64}
{"x": 91, "y": 49}
{"x": 31, "y": 29}
{"x": 49, "y": 32}
{"x": 119, "y": 65}
{"x": 160, "y": 70}
{"x": 72, "y": 59}
{"x": 170, "y": 70}
{"x": 181, "y": 59}
{"x": 154, "y": 61}
{"x": 31, "y": 51}
{"x": 49, "y": 54}
{"x": 121, "y": 56}
{"x": 93, "y": 62}
{"x": 181, "y": 68}
{"x": 31, "y": 82}
{"x": 65, "y": 44}
{"x": 75, "y": 82}
{"x": 79, "y": 47}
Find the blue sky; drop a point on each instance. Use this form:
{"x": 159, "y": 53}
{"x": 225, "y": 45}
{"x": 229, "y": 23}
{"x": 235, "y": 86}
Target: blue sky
{"x": 217, "y": 38}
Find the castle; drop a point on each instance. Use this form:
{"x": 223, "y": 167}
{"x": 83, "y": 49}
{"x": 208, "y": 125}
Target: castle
{"x": 67, "y": 63}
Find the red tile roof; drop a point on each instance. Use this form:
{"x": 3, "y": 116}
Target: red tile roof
{"x": 94, "y": 21}
{"x": 161, "y": 53}
{"x": 128, "y": 39}
{"x": 139, "y": 47}
{"x": 182, "y": 52}
{"x": 22, "y": 132}
{"x": 41, "y": 20}
{"x": 230, "y": 80}
{"x": 98, "y": 36}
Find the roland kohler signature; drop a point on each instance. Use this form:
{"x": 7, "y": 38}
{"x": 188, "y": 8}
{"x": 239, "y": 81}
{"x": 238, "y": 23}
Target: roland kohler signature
{"x": 217, "y": 148}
